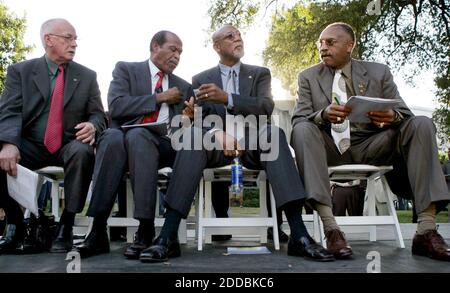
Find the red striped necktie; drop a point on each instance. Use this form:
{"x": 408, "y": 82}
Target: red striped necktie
{"x": 54, "y": 130}
{"x": 152, "y": 117}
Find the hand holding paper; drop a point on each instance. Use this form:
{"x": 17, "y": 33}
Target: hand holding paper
{"x": 382, "y": 109}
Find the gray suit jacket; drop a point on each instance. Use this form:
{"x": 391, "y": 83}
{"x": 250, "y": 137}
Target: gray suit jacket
{"x": 254, "y": 87}
{"x": 369, "y": 79}
{"x": 131, "y": 96}
{"x": 27, "y": 87}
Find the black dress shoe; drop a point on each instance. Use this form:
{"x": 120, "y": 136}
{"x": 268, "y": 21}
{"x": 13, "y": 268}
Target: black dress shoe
{"x": 308, "y": 248}
{"x": 140, "y": 243}
{"x": 12, "y": 236}
{"x": 161, "y": 250}
{"x": 95, "y": 243}
{"x": 64, "y": 239}
{"x": 283, "y": 237}
{"x": 220, "y": 237}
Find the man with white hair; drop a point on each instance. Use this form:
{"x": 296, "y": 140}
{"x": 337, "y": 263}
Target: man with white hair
{"x": 50, "y": 115}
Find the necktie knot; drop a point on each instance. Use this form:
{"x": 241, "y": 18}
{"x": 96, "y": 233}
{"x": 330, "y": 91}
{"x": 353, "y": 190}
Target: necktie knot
{"x": 60, "y": 68}
{"x": 160, "y": 74}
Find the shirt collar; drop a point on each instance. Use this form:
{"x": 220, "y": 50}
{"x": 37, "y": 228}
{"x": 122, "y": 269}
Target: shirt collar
{"x": 52, "y": 66}
{"x": 154, "y": 69}
{"x": 225, "y": 70}
{"x": 347, "y": 69}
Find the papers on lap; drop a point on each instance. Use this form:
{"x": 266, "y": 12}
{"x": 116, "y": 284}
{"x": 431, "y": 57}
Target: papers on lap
{"x": 361, "y": 105}
{"x": 159, "y": 128}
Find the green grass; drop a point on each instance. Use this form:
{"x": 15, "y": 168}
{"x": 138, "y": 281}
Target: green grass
{"x": 406, "y": 217}
{"x": 403, "y": 216}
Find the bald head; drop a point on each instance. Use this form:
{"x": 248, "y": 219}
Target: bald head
{"x": 52, "y": 26}
{"x": 221, "y": 32}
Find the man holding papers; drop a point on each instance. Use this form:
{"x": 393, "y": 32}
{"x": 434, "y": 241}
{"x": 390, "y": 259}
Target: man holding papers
{"x": 50, "y": 115}
{"x": 323, "y": 136}
{"x": 140, "y": 93}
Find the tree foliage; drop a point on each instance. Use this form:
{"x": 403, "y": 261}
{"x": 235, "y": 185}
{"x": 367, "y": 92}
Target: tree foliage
{"x": 409, "y": 35}
{"x": 12, "y": 47}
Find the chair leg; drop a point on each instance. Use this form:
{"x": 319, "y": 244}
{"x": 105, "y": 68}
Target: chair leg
{"x": 130, "y": 210}
{"x": 316, "y": 226}
{"x": 371, "y": 202}
{"x": 207, "y": 209}
{"x": 263, "y": 207}
{"x": 393, "y": 213}
{"x": 200, "y": 216}
{"x": 273, "y": 208}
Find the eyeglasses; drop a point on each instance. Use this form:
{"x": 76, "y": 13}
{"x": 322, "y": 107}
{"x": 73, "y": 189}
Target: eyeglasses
{"x": 231, "y": 35}
{"x": 68, "y": 38}
{"x": 329, "y": 42}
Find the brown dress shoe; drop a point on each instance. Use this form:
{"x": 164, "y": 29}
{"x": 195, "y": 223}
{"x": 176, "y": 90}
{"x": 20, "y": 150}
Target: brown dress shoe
{"x": 431, "y": 244}
{"x": 337, "y": 245}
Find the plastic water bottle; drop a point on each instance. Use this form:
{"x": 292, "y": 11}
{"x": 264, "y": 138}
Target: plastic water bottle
{"x": 237, "y": 185}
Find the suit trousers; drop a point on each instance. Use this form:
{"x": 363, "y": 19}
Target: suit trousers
{"x": 75, "y": 157}
{"x": 410, "y": 147}
{"x": 139, "y": 151}
{"x": 189, "y": 165}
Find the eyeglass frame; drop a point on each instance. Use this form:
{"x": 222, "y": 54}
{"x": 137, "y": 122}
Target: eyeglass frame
{"x": 330, "y": 42}
{"x": 68, "y": 38}
{"x": 231, "y": 35}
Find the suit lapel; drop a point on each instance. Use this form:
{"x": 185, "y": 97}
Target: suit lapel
{"x": 72, "y": 80}
{"x": 143, "y": 79}
{"x": 325, "y": 80}
{"x": 245, "y": 80}
{"x": 41, "y": 79}
{"x": 359, "y": 78}
{"x": 215, "y": 77}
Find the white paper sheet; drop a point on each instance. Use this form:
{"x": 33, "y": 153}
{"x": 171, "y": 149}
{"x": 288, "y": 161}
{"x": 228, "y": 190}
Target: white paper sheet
{"x": 25, "y": 188}
{"x": 248, "y": 250}
{"x": 362, "y": 105}
{"x": 158, "y": 127}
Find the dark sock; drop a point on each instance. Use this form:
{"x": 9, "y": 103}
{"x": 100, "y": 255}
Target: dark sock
{"x": 171, "y": 224}
{"x": 99, "y": 223}
{"x": 293, "y": 212}
{"x": 146, "y": 229}
{"x": 67, "y": 218}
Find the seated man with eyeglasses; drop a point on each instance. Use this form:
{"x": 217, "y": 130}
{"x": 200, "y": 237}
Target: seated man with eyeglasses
{"x": 50, "y": 115}
{"x": 323, "y": 136}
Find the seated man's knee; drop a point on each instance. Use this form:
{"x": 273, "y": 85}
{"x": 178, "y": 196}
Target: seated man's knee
{"x": 305, "y": 131}
{"x": 422, "y": 125}
{"x": 81, "y": 151}
{"x": 139, "y": 134}
{"x": 111, "y": 137}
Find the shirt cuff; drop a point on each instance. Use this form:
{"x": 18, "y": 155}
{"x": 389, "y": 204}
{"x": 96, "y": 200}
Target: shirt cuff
{"x": 318, "y": 119}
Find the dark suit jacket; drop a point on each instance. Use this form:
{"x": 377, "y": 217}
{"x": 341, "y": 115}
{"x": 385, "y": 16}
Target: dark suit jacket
{"x": 27, "y": 87}
{"x": 369, "y": 79}
{"x": 131, "y": 96}
{"x": 254, "y": 87}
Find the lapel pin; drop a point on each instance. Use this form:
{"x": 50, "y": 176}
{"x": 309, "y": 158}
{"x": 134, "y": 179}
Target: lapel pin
{"x": 250, "y": 77}
{"x": 75, "y": 79}
{"x": 362, "y": 88}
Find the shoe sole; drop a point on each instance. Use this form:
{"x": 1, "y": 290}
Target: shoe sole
{"x": 312, "y": 258}
{"x": 343, "y": 256}
{"x": 155, "y": 260}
